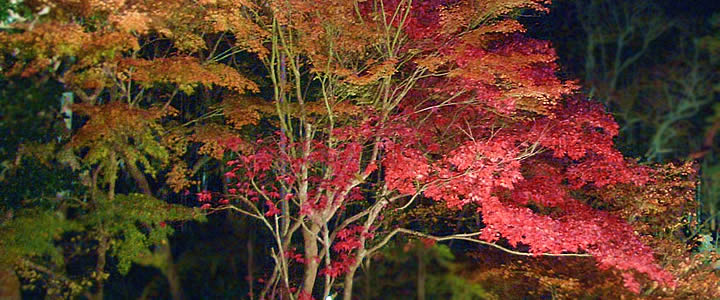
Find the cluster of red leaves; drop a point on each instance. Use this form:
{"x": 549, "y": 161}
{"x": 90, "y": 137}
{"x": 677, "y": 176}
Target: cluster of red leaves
{"x": 348, "y": 240}
{"x": 253, "y": 175}
{"x": 490, "y": 62}
{"x": 207, "y": 200}
{"x": 656, "y": 210}
{"x": 339, "y": 265}
{"x": 292, "y": 255}
{"x": 204, "y": 196}
{"x": 263, "y": 175}
{"x": 332, "y": 171}
{"x": 479, "y": 134}
{"x": 498, "y": 170}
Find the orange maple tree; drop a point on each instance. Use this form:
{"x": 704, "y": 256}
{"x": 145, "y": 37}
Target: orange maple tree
{"x": 143, "y": 79}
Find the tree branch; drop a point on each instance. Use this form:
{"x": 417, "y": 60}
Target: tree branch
{"x": 467, "y": 237}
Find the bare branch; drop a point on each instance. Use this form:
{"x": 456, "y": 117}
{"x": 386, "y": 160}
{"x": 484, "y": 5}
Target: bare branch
{"x": 467, "y": 237}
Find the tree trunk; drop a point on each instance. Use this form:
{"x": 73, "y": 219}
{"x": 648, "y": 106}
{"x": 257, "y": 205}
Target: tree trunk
{"x": 250, "y": 271}
{"x": 311, "y": 255}
{"x": 349, "y": 279}
{"x": 111, "y": 173}
{"x": 368, "y": 280}
{"x": 102, "y": 249}
{"x": 171, "y": 273}
{"x": 140, "y": 179}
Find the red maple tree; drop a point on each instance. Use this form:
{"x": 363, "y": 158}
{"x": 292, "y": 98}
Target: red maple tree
{"x": 447, "y": 100}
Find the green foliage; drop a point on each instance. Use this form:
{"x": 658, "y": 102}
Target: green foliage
{"x": 33, "y": 233}
{"x": 120, "y": 129}
{"x": 449, "y": 284}
{"x": 5, "y": 7}
{"x": 441, "y": 269}
{"x": 81, "y": 174}
{"x": 136, "y": 223}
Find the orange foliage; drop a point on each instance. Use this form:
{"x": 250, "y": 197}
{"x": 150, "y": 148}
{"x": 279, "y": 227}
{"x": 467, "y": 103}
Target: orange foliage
{"x": 242, "y": 111}
{"x": 177, "y": 178}
{"x": 186, "y": 72}
{"x": 374, "y": 73}
{"x": 213, "y": 138}
{"x": 114, "y": 122}
{"x": 465, "y": 66}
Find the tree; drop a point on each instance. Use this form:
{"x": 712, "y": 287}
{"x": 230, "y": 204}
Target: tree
{"x": 114, "y": 132}
{"x": 457, "y": 106}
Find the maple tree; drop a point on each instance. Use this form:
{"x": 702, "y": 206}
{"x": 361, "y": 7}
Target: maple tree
{"x": 324, "y": 119}
{"x": 459, "y": 107}
{"x": 118, "y": 130}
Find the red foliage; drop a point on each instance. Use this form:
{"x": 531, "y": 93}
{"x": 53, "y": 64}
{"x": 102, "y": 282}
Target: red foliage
{"x": 492, "y": 125}
{"x": 489, "y": 168}
{"x": 204, "y": 196}
{"x": 292, "y": 255}
{"x": 348, "y": 240}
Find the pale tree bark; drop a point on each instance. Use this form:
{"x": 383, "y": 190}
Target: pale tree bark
{"x": 312, "y": 262}
{"x": 348, "y": 284}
